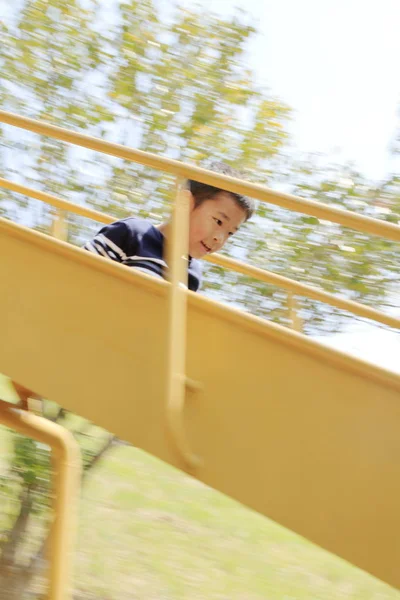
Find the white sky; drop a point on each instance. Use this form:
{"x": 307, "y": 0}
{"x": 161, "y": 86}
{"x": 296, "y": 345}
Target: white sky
{"x": 379, "y": 346}
{"x": 336, "y": 63}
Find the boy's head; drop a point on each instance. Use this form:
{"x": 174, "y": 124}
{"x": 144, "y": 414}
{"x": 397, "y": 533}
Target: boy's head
{"x": 215, "y": 214}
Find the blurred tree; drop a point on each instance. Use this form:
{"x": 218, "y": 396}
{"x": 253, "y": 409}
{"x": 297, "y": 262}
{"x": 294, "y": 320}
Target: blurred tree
{"x": 325, "y": 255}
{"x": 156, "y": 85}
{"x": 161, "y": 85}
{"x": 49, "y": 53}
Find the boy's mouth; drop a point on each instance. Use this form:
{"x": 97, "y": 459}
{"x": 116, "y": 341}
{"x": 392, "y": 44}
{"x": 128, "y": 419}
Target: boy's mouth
{"x": 206, "y": 248}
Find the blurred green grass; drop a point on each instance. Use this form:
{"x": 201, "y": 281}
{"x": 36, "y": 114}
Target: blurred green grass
{"x": 147, "y": 531}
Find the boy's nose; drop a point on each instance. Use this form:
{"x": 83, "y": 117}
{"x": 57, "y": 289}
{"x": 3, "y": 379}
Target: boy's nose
{"x": 219, "y": 237}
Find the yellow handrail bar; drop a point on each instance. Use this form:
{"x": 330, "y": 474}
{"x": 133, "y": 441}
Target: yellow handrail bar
{"x": 301, "y": 289}
{"x": 56, "y": 201}
{"x": 286, "y": 283}
{"x": 288, "y": 201}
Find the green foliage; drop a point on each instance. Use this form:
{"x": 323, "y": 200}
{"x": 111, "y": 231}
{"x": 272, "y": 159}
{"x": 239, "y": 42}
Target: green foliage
{"x": 339, "y": 260}
{"x": 31, "y": 462}
{"x": 25, "y": 492}
{"x": 180, "y": 87}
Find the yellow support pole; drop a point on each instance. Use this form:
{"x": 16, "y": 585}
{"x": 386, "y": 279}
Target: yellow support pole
{"x": 66, "y": 481}
{"x": 295, "y": 321}
{"x": 177, "y": 254}
{"x": 59, "y": 227}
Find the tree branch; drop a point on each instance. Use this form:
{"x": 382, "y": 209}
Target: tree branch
{"x": 34, "y": 564}
{"x": 18, "y": 529}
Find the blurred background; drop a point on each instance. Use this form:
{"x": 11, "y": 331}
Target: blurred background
{"x": 301, "y": 96}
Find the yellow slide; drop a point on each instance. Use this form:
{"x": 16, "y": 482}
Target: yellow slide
{"x": 303, "y": 434}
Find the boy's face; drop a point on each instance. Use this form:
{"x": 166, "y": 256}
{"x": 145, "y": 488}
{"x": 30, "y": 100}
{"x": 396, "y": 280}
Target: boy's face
{"x": 212, "y": 223}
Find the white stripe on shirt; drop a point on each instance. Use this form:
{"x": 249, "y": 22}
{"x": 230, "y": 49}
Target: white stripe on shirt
{"x": 89, "y": 246}
{"x": 105, "y": 241}
{"x": 100, "y": 249}
{"x": 159, "y": 261}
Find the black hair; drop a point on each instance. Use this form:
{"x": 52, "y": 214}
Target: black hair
{"x": 203, "y": 191}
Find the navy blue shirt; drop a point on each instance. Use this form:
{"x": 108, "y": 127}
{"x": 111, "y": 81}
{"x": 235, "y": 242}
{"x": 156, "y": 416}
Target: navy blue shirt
{"x": 137, "y": 243}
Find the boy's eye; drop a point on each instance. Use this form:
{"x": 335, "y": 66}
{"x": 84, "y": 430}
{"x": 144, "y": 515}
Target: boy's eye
{"x": 218, "y": 221}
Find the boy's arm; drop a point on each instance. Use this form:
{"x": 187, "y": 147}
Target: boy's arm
{"x": 112, "y": 241}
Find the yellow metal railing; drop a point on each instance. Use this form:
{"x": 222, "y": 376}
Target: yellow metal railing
{"x": 290, "y": 285}
{"x": 177, "y": 250}
{"x": 308, "y": 207}
{"x": 178, "y": 244}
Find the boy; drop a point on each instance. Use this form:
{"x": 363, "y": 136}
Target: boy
{"x": 215, "y": 215}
